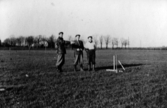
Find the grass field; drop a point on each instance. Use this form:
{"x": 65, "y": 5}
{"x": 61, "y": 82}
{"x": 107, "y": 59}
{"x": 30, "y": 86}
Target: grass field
{"x": 31, "y": 81}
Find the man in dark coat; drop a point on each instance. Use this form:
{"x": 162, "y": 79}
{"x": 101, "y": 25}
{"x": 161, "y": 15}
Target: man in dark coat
{"x": 61, "y": 51}
{"x": 78, "y": 47}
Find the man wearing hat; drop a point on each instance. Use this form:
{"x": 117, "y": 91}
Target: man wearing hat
{"x": 91, "y": 55}
{"x": 61, "y": 51}
{"x": 78, "y": 47}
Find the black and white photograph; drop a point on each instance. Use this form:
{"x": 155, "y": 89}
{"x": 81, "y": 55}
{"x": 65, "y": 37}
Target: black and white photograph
{"x": 83, "y": 53}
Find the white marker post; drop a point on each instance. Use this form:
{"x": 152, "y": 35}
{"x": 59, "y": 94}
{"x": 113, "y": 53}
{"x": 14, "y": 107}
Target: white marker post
{"x": 113, "y": 62}
{"x": 114, "y": 65}
{"x": 121, "y": 65}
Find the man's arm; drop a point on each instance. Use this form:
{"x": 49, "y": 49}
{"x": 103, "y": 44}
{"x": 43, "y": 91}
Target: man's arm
{"x": 67, "y": 42}
{"x": 73, "y": 44}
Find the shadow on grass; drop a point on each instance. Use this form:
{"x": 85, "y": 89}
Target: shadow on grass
{"x": 119, "y": 66}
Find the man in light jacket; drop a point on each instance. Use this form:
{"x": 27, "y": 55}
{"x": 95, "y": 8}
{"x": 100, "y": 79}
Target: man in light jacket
{"x": 90, "y": 49}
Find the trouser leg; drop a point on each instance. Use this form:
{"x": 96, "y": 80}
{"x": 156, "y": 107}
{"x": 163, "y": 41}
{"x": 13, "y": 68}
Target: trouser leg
{"x": 63, "y": 61}
{"x": 76, "y": 60}
{"x": 93, "y": 60}
{"x": 81, "y": 61}
{"x": 88, "y": 60}
{"x": 60, "y": 61}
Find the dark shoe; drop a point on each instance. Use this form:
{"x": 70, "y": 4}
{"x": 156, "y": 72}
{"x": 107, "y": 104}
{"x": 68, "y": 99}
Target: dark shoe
{"x": 59, "y": 69}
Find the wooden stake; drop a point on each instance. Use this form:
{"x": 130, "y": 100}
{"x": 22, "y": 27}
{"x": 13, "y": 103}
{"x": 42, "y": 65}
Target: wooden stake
{"x": 113, "y": 62}
{"x": 121, "y": 65}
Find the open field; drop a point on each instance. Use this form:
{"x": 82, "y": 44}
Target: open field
{"x": 31, "y": 81}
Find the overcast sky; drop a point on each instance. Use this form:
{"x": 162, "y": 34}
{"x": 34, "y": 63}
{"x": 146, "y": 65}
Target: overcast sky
{"x": 143, "y": 21}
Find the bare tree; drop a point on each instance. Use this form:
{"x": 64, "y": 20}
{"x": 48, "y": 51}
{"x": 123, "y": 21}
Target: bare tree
{"x": 44, "y": 41}
{"x": 107, "y": 40}
{"x": 22, "y": 40}
{"x": 44, "y": 38}
{"x": 18, "y": 41}
{"x": 51, "y": 42}
{"x": 128, "y": 43}
{"x": 101, "y": 41}
{"x": 7, "y": 42}
{"x": 114, "y": 42}
{"x": 37, "y": 40}
{"x": 30, "y": 40}
{"x": 122, "y": 42}
{"x": 125, "y": 42}
{"x": 13, "y": 41}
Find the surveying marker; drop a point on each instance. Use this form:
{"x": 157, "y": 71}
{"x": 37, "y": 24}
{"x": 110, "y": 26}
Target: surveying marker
{"x": 121, "y": 65}
{"x": 115, "y": 65}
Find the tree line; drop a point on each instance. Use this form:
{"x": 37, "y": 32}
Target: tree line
{"x": 41, "y": 41}
{"x": 29, "y": 41}
{"x": 108, "y": 40}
